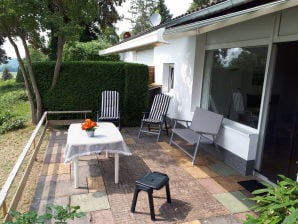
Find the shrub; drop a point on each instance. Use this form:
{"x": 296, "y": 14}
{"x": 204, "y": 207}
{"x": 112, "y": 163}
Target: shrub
{"x": 80, "y": 85}
{"x": 276, "y": 204}
{"x": 87, "y": 51}
{"x": 9, "y": 122}
{"x": 58, "y": 213}
{"x": 6, "y": 74}
{"x": 136, "y": 93}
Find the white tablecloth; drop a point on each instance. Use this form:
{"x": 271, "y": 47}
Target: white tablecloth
{"x": 107, "y": 138}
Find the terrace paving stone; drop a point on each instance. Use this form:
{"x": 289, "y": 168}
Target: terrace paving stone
{"x": 95, "y": 184}
{"x": 91, "y": 201}
{"x": 200, "y": 172}
{"x": 40, "y": 206}
{"x": 229, "y": 183}
{"x": 222, "y": 169}
{"x": 193, "y": 222}
{"x": 82, "y": 220}
{"x": 54, "y": 188}
{"x": 55, "y": 168}
{"x": 130, "y": 141}
{"x": 234, "y": 201}
{"x": 54, "y": 158}
{"x": 56, "y": 148}
{"x": 227, "y": 219}
{"x": 212, "y": 186}
{"x": 103, "y": 216}
{"x": 207, "y": 192}
{"x": 242, "y": 215}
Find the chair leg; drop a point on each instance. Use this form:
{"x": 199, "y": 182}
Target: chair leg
{"x": 196, "y": 151}
{"x": 171, "y": 139}
{"x": 168, "y": 193}
{"x": 119, "y": 125}
{"x": 151, "y": 205}
{"x": 141, "y": 128}
{"x": 160, "y": 129}
{"x": 166, "y": 127}
{"x": 134, "y": 201}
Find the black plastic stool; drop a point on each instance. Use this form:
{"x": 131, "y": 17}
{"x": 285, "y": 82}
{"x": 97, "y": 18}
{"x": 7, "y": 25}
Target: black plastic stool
{"x": 151, "y": 181}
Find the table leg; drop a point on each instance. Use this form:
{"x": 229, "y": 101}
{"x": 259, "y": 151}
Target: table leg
{"x": 116, "y": 168}
{"x": 76, "y": 172}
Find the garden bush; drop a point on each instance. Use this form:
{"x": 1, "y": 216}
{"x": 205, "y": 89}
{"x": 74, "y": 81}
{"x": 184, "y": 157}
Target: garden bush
{"x": 276, "y": 204}
{"x": 80, "y": 85}
{"x": 14, "y": 107}
{"x": 87, "y": 51}
{"x": 59, "y": 214}
{"x": 10, "y": 122}
{"x": 6, "y": 74}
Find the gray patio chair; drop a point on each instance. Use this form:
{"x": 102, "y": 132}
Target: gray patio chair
{"x": 203, "y": 128}
{"x": 155, "y": 119}
{"x": 109, "y": 107}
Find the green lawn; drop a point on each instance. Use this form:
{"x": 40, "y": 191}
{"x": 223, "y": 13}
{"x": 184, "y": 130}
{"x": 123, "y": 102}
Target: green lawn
{"x": 14, "y": 105}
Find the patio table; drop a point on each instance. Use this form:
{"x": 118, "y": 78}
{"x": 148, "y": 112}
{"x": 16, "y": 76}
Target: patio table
{"x": 107, "y": 138}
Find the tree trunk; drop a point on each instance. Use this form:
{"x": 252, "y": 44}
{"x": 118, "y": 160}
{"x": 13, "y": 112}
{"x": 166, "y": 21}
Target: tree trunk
{"x": 60, "y": 46}
{"x": 26, "y": 81}
{"x": 33, "y": 82}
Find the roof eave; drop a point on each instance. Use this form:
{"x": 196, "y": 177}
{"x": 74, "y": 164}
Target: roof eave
{"x": 215, "y": 23}
{"x": 146, "y": 41}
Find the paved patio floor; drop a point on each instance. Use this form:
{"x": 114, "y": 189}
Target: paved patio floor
{"x": 205, "y": 193}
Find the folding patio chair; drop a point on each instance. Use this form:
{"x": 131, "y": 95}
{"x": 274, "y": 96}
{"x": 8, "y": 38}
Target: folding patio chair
{"x": 204, "y": 128}
{"x": 109, "y": 107}
{"x": 155, "y": 119}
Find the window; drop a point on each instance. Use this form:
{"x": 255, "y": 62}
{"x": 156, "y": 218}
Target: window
{"x": 233, "y": 83}
{"x": 171, "y": 77}
{"x": 168, "y": 80}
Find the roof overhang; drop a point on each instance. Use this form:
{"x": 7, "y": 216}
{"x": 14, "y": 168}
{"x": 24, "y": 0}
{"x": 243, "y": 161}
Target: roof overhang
{"x": 146, "y": 41}
{"x": 219, "y": 22}
{"x": 160, "y": 36}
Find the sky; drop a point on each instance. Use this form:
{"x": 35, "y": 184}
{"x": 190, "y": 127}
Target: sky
{"x": 176, "y": 7}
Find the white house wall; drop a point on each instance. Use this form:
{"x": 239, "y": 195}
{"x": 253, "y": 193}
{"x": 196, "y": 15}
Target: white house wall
{"x": 181, "y": 53}
{"x": 145, "y": 57}
{"x": 187, "y": 55}
{"x": 256, "y": 29}
{"x": 129, "y": 56}
{"x": 288, "y": 29}
{"x": 265, "y": 30}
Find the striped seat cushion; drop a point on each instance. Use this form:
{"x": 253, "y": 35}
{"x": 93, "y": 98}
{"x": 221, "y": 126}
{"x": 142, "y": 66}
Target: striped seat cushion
{"x": 109, "y": 105}
{"x": 159, "y": 108}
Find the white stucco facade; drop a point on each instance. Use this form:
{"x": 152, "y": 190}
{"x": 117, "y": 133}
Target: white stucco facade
{"x": 187, "y": 54}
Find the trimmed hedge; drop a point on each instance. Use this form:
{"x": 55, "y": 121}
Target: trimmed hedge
{"x": 80, "y": 85}
{"x": 136, "y": 92}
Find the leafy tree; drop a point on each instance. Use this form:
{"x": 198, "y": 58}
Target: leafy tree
{"x": 3, "y": 56}
{"x": 37, "y": 55}
{"x": 164, "y": 12}
{"x": 88, "y": 51}
{"x": 141, "y": 11}
{"x": 67, "y": 21}
{"x": 6, "y": 74}
{"x": 196, "y": 4}
{"x": 19, "y": 19}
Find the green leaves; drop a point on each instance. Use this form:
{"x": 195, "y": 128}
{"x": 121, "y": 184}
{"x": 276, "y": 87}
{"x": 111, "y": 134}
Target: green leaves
{"x": 58, "y": 213}
{"x": 63, "y": 213}
{"x": 277, "y": 204}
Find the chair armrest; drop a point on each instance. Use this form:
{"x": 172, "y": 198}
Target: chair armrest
{"x": 186, "y": 122}
{"x": 180, "y": 120}
{"x": 144, "y": 114}
{"x": 205, "y": 133}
